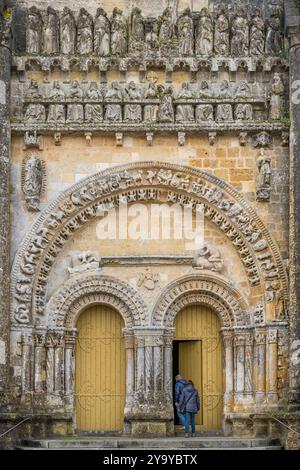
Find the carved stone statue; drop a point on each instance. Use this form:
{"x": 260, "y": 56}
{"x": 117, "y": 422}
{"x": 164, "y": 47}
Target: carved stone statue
{"x": 56, "y": 113}
{"x": 264, "y": 177}
{"x": 51, "y": 32}
{"x": 57, "y": 93}
{"x": 205, "y": 34}
{"x": 204, "y": 112}
{"x": 185, "y": 112}
{"x": 224, "y": 113}
{"x": 186, "y": 33}
{"x": 243, "y": 112}
{"x": 274, "y": 38}
{"x": 35, "y": 112}
{"x": 166, "y": 109}
{"x": 67, "y": 32}
{"x": 276, "y": 98}
{"x": 113, "y": 110}
{"x": 84, "y": 33}
{"x": 225, "y": 90}
{"x": 118, "y": 33}
{"x": 209, "y": 258}
{"x": 33, "y": 91}
{"x": 34, "y": 31}
{"x": 243, "y": 90}
{"x": 32, "y": 182}
{"x": 240, "y": 34}
{"x": 151, "y": 110}
{"x": 102, "y": 33}
{"x": 166, "y": 32}
{"x": 221, "y": 41}
{"x": 85, "y": 261}
{"x": 205, "y": 90}
{"x": 132, "y": 111}
{"x": 152, "y": 32}
{"x": 94, "y": 112}
{"x": 75, "y": 111}
{"x": 137, "y": 31}
{"x": 257, "y": 34}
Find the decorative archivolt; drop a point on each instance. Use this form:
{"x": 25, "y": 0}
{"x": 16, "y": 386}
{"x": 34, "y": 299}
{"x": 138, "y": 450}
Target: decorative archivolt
{"x": 200, "y": 289}
{"x": 83, "y": 291}
{"x": 142, "y": 182}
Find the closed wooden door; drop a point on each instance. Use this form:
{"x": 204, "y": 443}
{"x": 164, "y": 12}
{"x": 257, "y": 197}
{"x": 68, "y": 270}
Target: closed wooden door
{"x": 200, "y": 359}
{"x": 100, "y": 370}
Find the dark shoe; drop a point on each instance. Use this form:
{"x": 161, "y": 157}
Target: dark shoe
{"x": 193, "y": 435}
{"x": 187, "y": 435}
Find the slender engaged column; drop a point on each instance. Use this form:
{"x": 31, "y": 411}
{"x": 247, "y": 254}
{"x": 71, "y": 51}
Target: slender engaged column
{"x": 239, "y": 343}
{"x": 228, "y": 349}
{"x": 149, "y": 370}
{"x": 168, "y": 363}
{"x": 272, "y": 366}
{"x": 249, "y": 367}
{"x": 130, "y": 376}
{"x": 26, "y": 362}
{"x": 50, "y": 363}
{"x": 59, "y": 363}
{"x": 39, "y": 362}
{"x": 158, "y": 366}
{"x": 140, "y": 365}
{"x": 260, "y": 355}
{"x": 70, "y": 341}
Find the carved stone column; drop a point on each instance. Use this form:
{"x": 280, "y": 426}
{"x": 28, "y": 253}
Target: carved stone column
{"x": 39, "y": 362}
{"x": 229, "y": 371}
{"x": 59, "y": 363}
{"x": 249, "y": 367}
{"x": 149, "y": 371}
{"x": 130, "y": 376}
{"x": 26, "y": 345}
{"x": 70, "y": 341}
{"x": 140, "y": 365}
{"x": 158, "y": 366}
{"x": 272, "y": 366}
{"x": 239, "y": 355}
{"x": 168, "y": 365}
{"x": 260, "y": 366}
{"x": 50, "y": 362}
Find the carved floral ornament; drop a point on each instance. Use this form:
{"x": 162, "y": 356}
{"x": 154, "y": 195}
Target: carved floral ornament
{"x": 150, "y": 181}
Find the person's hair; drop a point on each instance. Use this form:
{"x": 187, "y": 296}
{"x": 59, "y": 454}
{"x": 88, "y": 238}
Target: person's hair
{"x": 191, "y": 382}
{"x": 178, "y": 376}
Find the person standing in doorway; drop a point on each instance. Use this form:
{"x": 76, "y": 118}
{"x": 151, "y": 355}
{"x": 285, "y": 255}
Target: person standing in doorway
{"x": 179, "y": 386}
{"x": 189, "y": 404}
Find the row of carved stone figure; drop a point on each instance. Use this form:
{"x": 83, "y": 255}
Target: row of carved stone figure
{"x": 201, "y": 34}
{"x": 158, "y": 103}
{"x": 137, "y": 91}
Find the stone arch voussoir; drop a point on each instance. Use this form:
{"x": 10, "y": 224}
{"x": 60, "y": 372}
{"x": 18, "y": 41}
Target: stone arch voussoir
{"x": 200, "y": 289}
{"x": 77, "y": 293}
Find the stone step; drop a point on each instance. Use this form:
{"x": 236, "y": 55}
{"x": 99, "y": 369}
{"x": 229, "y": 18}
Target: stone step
{"x": 174, "y": 443}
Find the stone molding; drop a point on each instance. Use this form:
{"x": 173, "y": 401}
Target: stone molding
{"x": 203, "y": 288}
{"x": 82, "y": 291}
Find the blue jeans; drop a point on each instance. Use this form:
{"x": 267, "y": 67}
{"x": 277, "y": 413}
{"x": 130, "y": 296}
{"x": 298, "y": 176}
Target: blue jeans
{"x": 181, "y": 417}
{"x": 189, "y": 419}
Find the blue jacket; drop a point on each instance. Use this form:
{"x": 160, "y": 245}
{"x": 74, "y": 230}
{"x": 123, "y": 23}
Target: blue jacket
{"x": 190, "y": 397}
{"x": 179, "y": 386}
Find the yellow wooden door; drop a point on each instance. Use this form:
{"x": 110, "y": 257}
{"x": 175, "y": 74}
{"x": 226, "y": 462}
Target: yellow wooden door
{"x": 200, "y": 360}
{"x": 100, "y": 370}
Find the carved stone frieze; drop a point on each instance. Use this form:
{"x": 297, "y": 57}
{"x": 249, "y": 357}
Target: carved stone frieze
{"x": 209, "y": 258}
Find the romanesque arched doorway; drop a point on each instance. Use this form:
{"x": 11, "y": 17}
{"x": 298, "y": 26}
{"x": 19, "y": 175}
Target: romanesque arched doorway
{"x": 100, "y": 370}
{"x": 197, "y": 355}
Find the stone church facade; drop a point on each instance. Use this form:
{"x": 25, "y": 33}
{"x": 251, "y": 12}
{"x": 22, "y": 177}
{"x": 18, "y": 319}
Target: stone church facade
{"x": 147, "y": 104}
